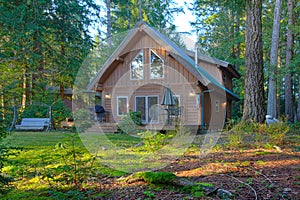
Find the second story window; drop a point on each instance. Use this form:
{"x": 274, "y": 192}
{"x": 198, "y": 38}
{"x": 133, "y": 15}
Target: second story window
{"x": 156, "y": 66}
{"x": 136, "y": 67}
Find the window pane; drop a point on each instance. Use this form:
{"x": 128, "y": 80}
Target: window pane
{"x": 153, "y": 116}
{"x": 136, "y": 67}
{"x": 217, "y": 106}
{"x": 141, "y": 106}
{"x": 177, "y": 101}
{"x": 157, "y": 66}
{"x": 122, "y": 105}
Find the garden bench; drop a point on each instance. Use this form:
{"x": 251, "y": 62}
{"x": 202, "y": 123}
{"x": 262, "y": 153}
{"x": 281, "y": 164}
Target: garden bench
{"x": 34, "y": 124}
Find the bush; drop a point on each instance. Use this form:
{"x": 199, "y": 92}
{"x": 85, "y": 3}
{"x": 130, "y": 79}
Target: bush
{"x": 130, "y": 123}
{"x": 83, "y": 119}
{"x": 3, "y": 157}
{"x": 257, "y": 134}
{"x": 154, "y": 140}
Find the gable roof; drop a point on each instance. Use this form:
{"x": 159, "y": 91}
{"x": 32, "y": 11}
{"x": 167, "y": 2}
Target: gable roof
{"x": 179, "y": 54}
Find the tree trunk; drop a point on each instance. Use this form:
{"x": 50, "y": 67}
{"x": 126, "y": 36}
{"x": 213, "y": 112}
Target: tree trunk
{"x": 140, "y": 11}
{"x": 108, "y": 28}
{"x": 128, "y": 15}
{"x": 238, "y": 45}
{"x": 61, "y": 85}
{"x": 298, "y": 109}
{"x": 24, "y": 91}
{"x": 288, "y": 93}
{"x": 272, "y": 105}
{"x": 254, "y": 76}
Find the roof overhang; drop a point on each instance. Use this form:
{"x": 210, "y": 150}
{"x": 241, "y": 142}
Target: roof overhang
{"x": 182, "y": 56}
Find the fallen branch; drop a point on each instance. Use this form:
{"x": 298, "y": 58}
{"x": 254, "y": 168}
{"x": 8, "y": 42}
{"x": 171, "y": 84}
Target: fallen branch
{"x": 267, "y": 178}
{"x": 254, "y": 191}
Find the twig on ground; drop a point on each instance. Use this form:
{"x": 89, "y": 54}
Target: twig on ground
{"x": 254, "y": 191}
{"x": 267, "y": 178}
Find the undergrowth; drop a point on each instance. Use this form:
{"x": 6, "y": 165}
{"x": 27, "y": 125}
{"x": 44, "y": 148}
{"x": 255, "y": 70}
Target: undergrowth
{"x": 257, "y": 135}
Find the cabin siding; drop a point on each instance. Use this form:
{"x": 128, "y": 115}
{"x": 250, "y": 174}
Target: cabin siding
{"x": 116, "y": 82}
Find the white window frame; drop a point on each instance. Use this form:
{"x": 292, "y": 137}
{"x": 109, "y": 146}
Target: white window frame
{"x": 163, "y": 64}
{"x": 122, "y": 97}
{"x": 178, "y": 97}
{"x": 131, "y": 78}
{"x": 218, "y": 104}
{"x": 147, "y": 106}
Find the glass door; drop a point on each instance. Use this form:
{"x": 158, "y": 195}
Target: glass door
{"x": 144, "y": 104}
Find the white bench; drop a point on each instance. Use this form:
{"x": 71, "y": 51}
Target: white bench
{"x": 34, "y": 124}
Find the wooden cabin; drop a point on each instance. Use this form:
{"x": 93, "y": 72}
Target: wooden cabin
{"x": 146, "y": 62}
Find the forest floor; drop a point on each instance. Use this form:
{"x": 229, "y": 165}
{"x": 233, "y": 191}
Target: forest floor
{"x": 45, "y": 169}
{"x": 247, "y": 174}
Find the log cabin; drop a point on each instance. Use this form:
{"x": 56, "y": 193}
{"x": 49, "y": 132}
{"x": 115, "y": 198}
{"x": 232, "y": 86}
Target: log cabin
{"x": 147, "y": 62}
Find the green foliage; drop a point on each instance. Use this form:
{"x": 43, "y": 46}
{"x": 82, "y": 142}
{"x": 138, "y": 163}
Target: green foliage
{"x": 130, "y": 123}
{"x": 153, "y": 140}
{"x": 149, "y": 193}
{"x": 259, "y": 135}
{"x": 197, "y": 190}
{"x": 71, "y": 194}
{"x": 83, "y": 119}
{"x": 4, "y": 180}
{"x": 157, "y": 177}
{"x": 41, "y": 110}
{"x": 57, "y": 168}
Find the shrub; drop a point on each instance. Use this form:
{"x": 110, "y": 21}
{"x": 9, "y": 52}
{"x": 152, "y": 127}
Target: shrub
{"x": 3, "y": 157}
{"x": 154, "y": 140}
{"x": 130, "y": 123}
{"x": 83, "y": 119}
{"x": 258, "y": 134}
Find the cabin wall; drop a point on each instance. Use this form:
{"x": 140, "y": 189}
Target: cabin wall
{"x": 184, "y": 84}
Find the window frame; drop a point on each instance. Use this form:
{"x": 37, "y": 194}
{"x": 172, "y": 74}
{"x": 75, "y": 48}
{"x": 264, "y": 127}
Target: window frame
{"x": 150, "y": 64}
{"x": 122, "y": 97}
{"x": 147, "y": 108}
{"x": 131, "y": 78}
{"x": 218, "y": 104}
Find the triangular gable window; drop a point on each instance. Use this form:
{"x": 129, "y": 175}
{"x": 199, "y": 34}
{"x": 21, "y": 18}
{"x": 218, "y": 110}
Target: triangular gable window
{"x": 156, "y": 66}
{"x": 136, "y": 67}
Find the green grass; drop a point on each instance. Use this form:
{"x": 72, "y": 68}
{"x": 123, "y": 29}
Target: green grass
{"x": 63, "y": 165}
{"x": 49, "y": 165}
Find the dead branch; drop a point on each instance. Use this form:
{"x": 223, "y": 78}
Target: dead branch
{"x": 254, "y": 191}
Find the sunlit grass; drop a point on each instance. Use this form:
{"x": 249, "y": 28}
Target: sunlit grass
{"x": 44, "y": 162}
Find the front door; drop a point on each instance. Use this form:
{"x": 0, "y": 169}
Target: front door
{"x": 143, "y": 104}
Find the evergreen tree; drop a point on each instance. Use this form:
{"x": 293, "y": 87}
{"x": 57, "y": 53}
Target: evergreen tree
{"x": 254, "y": 76}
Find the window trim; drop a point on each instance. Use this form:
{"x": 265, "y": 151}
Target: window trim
{"x": 124, "y": 97}
{"x": 218, "y": 104}
{"x": 178, "y": 97}
{"x": 147, "y": 106}
{"x": 142, "y": 65}
{"x": 150, "y": 64}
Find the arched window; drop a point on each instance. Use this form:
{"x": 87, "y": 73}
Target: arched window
{"x": 156, "y": 66}
{"x": 136, "y": 67}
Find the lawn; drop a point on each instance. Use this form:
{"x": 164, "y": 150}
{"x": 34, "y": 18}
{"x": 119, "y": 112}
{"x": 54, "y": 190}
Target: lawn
{"x": 47, "y": 162}
{"x": 60, "y": 165}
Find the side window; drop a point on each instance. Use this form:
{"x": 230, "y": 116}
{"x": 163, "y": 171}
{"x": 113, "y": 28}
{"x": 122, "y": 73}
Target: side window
{"x": 177, "y": 100}
{"x": 156, "y": 66}
{"x": 217, "y": 106}
{"x": 122, "y": 107}
{"x": 137, "y": 67}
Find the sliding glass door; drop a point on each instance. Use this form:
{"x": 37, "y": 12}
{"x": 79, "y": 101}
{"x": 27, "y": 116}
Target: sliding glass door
{"x": 144, "y": 104}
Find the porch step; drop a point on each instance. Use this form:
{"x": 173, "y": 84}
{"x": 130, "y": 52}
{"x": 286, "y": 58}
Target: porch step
{"x": 103, "y": 127}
